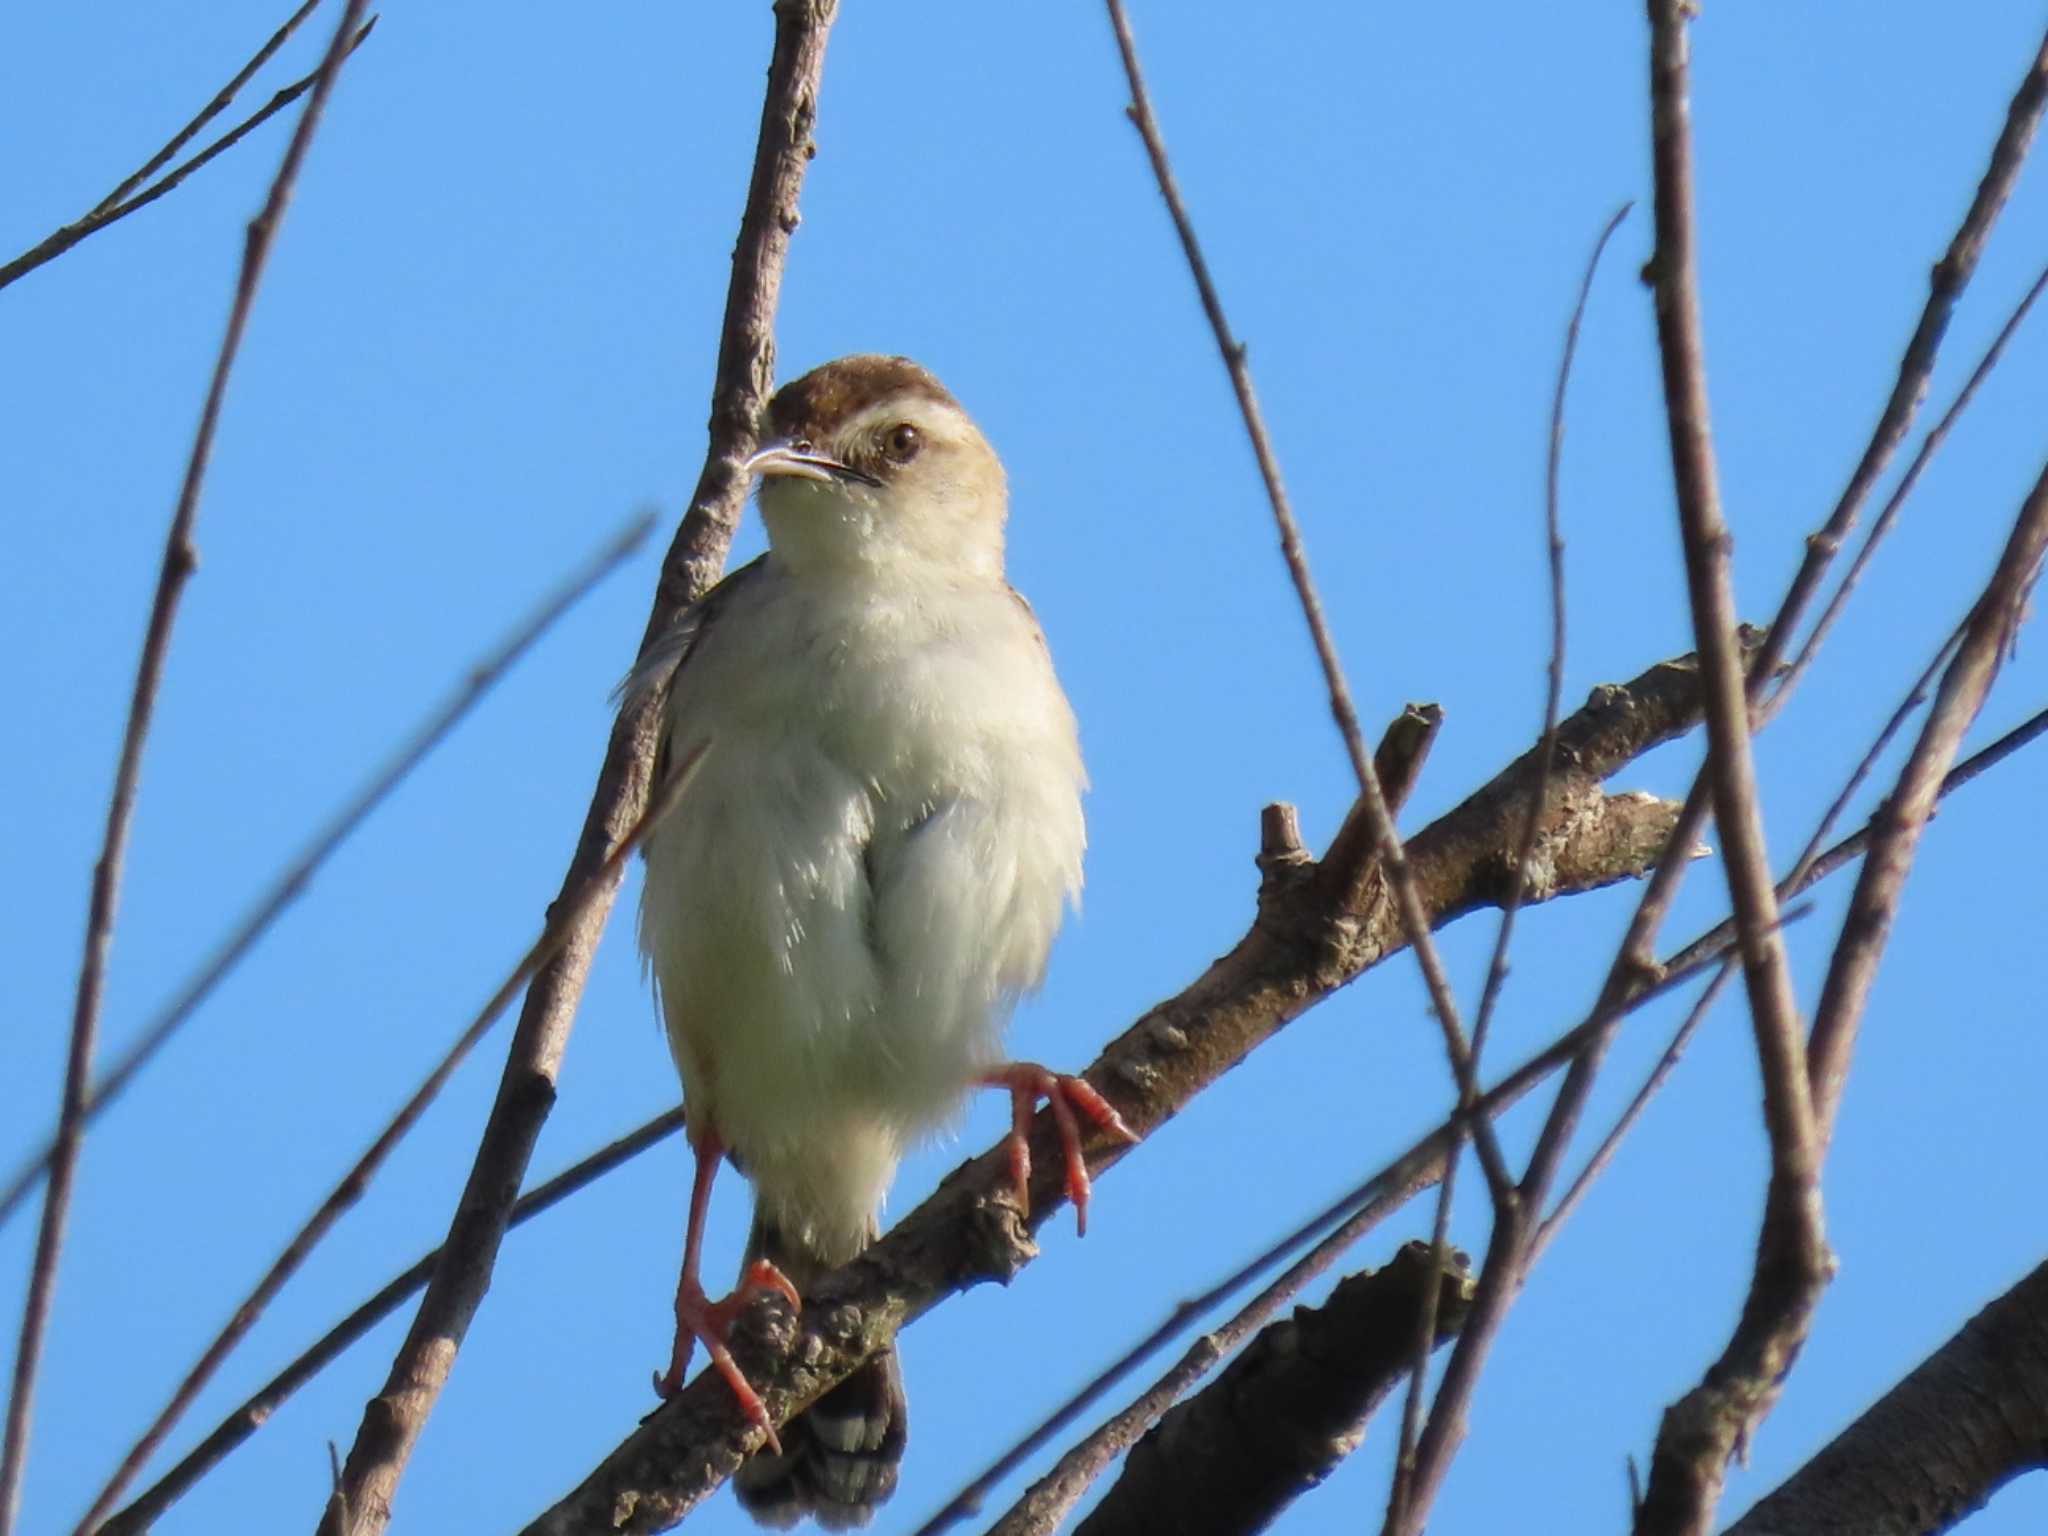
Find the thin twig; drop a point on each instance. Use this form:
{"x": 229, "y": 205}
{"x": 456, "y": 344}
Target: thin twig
{"x": 392, "y": 1421}
{"x": 59, "y": 241}
{"x": 1882, "y": 524}
{"x": 220, "y": 103}
{"x": 1781, "y": 1051}
{"x": 561, "y": 925}
{"x": 1371, "y": 798}
{"x": 298, "y": 874}
{"x": 150, "y": 1505}
{"x": 1539, "y": 791}
{"x": 1951, "y": 276}
{"x": 1896, "y": 826}
{"x": 1795, "y": 880}
{"x": 179, "y": 560}
{"x": 1540, "y": 1239}
{"x": 1633, "y": 958}
{"x": 1704, "y": 1428}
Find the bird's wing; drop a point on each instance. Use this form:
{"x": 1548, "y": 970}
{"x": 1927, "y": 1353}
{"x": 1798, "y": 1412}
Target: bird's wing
{"x": 653, "y": 672}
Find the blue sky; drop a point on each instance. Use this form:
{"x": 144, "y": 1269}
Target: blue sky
{"x": 487, "y": 337}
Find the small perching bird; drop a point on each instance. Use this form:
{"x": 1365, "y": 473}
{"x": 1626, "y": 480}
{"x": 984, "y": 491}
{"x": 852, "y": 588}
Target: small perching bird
{"x": 880, "y": 837}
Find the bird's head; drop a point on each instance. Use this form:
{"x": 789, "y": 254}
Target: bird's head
{"x": 868, "y": 461}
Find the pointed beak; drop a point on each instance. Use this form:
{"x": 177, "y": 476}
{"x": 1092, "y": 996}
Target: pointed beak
{"x": 801, "y": 462}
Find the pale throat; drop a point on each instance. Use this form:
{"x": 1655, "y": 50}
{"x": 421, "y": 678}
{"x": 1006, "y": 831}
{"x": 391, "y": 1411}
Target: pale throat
{"x": 864, "y": 535}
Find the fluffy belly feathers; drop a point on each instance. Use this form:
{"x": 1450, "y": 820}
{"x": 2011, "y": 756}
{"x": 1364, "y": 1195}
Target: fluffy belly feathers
{"x": 838, "y": 920}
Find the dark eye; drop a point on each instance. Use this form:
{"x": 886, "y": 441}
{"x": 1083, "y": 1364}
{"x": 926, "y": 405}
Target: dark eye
{"x": 903, "y": 442}
{"x": 802, "y": 445}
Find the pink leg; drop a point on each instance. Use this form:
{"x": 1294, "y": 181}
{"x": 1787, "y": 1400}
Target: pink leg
{"x": 1027, "y": 1083}
{"x": 697, "y": 1316}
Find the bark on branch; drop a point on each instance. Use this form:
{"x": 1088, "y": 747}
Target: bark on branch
{"x": 1282, "y": 1416}
{"x": 1969, "y": 1419}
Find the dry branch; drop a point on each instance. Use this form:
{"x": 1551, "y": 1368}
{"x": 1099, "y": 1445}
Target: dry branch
{"x": 1287, "y": 1410}
{"x": 255, "y": 1411}
{"x": 1301, "y": 948}
{"x": 297, "y": 875}
{"x": 563, "y": 919}
{"x": 1372, "y": 801}
{"x": 1702, "y": 1430}
{"x": 746, "y": 363}
{"x": 118, "y": 204}
{"x": 180, "y": 558}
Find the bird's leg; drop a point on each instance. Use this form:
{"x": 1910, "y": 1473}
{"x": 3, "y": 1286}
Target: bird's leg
{"x": 699, "y": 1317}
{"x": 1027, "y": 1083}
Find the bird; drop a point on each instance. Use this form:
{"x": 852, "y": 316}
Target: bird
{"x": 881, "y": 832}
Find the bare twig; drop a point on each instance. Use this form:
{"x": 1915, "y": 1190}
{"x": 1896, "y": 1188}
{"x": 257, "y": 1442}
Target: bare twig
{"x": 1882, "y": 525}
{"x": 252, "y": 1414}
{"x": 1951, "y": 276}
{"x": 1788, "y": 1111}
{"x": 179, "y": 559}
{"x": 1705, "y": 1427}
{"x": 1792, "y": 1248}
{"x": 1794, "y": 881}
{"x": 561, "y": 925}
{"x": 1897, "y": 824}
{"x": 746, "y": 365}
{"x": 1371, "y": 798}
{"x": 298, "y": 874}
{"x": 111, "y": 211}
{"x": 1634, "y": 955}
{"x": 1603, "y": 1154}
{"x": 220, "y": 103}
{"x": 1497, "y": 966}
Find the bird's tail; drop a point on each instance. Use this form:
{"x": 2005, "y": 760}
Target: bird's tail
{"x": 839, "y": 1456}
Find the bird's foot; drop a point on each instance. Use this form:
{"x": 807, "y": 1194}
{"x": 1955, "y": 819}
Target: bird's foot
{"x": 1064, "y": 1093}
{"x": 699, "y": 1317}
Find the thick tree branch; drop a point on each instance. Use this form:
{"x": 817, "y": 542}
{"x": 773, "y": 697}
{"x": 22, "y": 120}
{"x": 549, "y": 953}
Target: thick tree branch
{"x": 1933, "y": 1450}
{"x": 746, "y": 359}
{"x": 1285, "y": 1412}
{"x": 1300, "y": 948}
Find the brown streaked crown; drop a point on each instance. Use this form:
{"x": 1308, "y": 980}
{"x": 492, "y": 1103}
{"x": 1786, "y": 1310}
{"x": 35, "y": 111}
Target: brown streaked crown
{"x": 813, "y": 408}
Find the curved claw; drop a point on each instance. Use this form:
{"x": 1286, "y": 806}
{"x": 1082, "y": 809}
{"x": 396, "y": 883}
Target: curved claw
{"x": 698, "y": 1317}
{"x": 1064, "y": 1093}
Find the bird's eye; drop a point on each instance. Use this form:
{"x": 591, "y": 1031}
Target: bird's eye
{"x": 903, "y": 442}
{"x": 802, "y": 445}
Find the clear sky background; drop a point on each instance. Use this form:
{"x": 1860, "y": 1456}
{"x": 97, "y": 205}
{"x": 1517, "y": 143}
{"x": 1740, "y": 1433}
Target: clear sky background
{"x": 487, "y": 335}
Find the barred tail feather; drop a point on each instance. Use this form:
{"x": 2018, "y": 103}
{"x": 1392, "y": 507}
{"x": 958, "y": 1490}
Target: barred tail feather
{"x": 840, "y": 1456}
